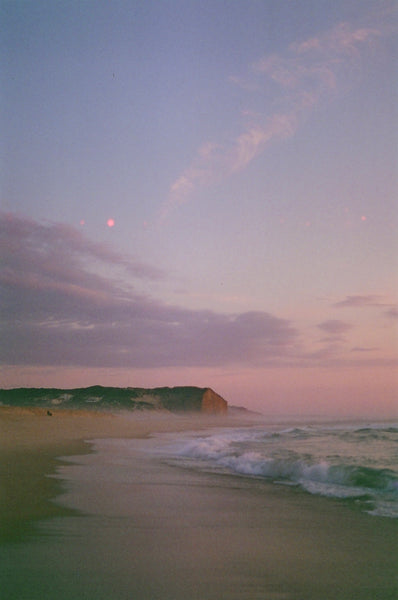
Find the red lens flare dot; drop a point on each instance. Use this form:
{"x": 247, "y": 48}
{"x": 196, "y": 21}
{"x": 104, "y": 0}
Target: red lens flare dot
{"x": 110, "y": 222}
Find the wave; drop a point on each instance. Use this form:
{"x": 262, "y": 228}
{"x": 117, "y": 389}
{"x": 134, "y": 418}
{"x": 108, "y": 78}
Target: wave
{"x": 370, "y": 433}
{"x": 253, "y": 463}
{"x": 289, "y": 458}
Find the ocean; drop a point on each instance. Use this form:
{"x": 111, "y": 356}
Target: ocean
{"x": 270, "y": 511}
{"x": 356, "y": 462}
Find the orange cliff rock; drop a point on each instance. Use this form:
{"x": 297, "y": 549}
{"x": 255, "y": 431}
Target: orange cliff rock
{"x": 213, "y": 404}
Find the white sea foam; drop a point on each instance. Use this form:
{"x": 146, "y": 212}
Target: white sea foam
{"x": 354, "y": 461}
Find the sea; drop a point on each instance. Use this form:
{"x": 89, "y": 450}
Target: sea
{"x": 355, "y": 462}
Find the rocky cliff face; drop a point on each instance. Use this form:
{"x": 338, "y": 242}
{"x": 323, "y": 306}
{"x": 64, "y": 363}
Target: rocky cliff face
{"x": 212, "y": 403}
{"x": 190, "y": 399}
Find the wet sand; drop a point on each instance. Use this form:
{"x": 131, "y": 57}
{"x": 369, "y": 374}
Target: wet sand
{"x": 171, "y": 534}
{"x": 31, "y": 442}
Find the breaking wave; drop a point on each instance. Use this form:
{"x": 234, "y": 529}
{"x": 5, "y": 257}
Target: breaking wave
{"x": 358, "y": 463}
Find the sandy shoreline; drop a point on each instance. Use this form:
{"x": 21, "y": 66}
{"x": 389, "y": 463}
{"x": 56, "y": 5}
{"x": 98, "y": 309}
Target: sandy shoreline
{"x": 31, "y": 443}
{"x": 32, "y": 427}
{"x": 181, "y": 534}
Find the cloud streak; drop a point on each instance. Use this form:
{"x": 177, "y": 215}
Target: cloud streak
{"x": 360, "y": 301}
{"x": 298, "y": 80}
{"x": 369, "y": 301}
{"x": 335, "y": 327}
{"x": 56, "y": 310}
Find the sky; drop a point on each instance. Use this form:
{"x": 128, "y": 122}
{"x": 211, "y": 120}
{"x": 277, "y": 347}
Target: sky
{"x": 202, "y": 193}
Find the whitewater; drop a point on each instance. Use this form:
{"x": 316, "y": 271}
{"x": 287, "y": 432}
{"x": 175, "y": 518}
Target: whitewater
{"x": 353, "y": 462}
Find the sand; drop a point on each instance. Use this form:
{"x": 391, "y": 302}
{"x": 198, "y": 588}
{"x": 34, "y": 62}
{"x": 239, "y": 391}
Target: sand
{"x": 31, "y": 442}
{"x": 182, "y": 534}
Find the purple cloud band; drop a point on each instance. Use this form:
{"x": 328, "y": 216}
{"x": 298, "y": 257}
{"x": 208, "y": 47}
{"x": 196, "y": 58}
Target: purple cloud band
{"x": 335, "y": 327}
{"x": 372, "y": 301}
{"x": 57, "y": 309}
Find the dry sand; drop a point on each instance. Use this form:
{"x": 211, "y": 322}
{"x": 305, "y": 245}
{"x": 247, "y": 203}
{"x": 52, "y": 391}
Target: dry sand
{"x": 33, "y": 428}
{"x": 183, "y": 534}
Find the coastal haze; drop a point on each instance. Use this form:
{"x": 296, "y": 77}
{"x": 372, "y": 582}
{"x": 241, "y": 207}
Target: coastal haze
{"x": 202, "y": 194}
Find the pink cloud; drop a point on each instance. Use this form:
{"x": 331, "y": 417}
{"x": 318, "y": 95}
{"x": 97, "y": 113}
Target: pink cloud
{"x": 370, "y": 301}
{"x": 308, "y": 72}
{"x": 361, "y": 301}
{"x": 56, "y": 310}
{"x": 215, "y": 162}
{"x": 335, "y": 327}
{"x": 392, "y": 312}
{"x": 359, "y": 349}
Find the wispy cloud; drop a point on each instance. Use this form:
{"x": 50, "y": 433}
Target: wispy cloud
{"x": 360, "y": 349}
{"x": 307, "y": 73}
{"x": 56, "y": 310}
{"x": 390, "y": 310}
{"x": 361, "y": 301}
{"x": 335, "y": 327}
{"x": 215, "y": 162}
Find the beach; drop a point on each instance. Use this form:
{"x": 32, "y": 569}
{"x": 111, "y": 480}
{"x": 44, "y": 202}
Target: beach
{"x": 114, "y": 519}
{"x": 31, "y": 441}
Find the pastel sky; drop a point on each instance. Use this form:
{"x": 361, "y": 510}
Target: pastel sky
{"x": 202, "y": 193}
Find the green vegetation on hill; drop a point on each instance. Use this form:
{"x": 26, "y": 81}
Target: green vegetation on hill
{"x": 174, "y": 399}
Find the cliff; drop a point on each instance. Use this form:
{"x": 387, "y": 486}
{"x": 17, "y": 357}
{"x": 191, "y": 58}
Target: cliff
{"x": 176, "y": 399}
{"x": 212, "y": 403}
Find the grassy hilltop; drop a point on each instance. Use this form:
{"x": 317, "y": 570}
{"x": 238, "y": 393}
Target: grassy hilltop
{"x": 176, "y": 399}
